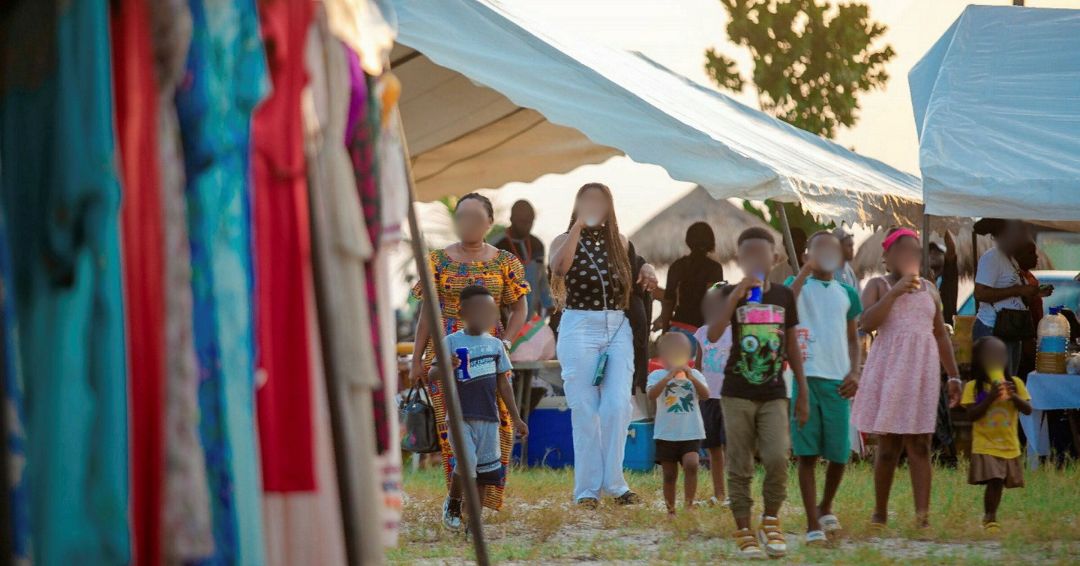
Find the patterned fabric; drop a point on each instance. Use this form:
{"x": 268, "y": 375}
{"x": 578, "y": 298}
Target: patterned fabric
{"x": 187, "y": 527}
{"x": 59, "y": 184}
{"x": 586, "y": 289}
{"x": 504, "y": 276}
{"x": 901, "y": 380}
{"x": 226, "y": 79}
{"x": 18, "y": 490}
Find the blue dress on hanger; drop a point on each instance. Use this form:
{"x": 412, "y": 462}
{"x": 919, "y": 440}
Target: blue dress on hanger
{"x": 227, "y": 77}
{"x": 60, "y": 190}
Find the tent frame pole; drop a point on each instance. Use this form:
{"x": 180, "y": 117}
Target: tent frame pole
{"x": 788, "y": 242}
{"x": 926, "y": 244}
{"x": 442, "y": 352}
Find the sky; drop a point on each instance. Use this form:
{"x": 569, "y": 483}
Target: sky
{"x": 676, "y": 34}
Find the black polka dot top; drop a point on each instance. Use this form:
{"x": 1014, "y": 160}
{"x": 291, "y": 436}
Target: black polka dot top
{"x": 584, "y": 285}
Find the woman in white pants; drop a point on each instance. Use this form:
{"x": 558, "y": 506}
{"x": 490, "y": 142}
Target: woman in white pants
{"x": 591, "y": 280}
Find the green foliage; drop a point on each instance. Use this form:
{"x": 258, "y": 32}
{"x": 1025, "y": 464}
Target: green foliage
{"x": 812, "y": 59}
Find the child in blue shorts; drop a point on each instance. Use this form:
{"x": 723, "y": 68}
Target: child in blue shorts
{"x": 827, "y": 330}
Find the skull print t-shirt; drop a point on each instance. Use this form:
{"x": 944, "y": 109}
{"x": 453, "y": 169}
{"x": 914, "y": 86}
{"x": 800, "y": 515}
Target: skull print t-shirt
{"x": 755, "y": 367}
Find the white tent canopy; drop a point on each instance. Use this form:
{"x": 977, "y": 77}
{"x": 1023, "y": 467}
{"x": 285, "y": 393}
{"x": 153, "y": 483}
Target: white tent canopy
{"x": 464, "y": 136}
{"x": 997, "y": 105}
{"x": 619, "y": 100}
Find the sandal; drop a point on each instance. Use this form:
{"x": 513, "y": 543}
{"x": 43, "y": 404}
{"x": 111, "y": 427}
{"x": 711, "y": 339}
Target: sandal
{"x": 830, "y": 524}
{"x": 747, "y": 545}
{"x": 992, "y": 527}
{"x": 816, "y": 538}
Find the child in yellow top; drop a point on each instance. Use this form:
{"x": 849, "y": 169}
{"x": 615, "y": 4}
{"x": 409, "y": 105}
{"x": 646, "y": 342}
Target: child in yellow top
{"x": 993, "y": 404}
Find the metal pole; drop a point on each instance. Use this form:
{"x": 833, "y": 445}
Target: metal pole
{"x": 926, "y": 244}
{"x": 446, "y": 382}
{"x": 788, "y": 242}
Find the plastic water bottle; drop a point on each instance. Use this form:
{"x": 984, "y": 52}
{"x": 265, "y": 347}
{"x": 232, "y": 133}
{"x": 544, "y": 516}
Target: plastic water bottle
{"x": 755, "y": 292}
{"x": 1053, "y": 332}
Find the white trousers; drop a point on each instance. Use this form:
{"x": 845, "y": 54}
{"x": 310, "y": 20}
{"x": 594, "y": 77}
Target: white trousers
{"x": 600, "y": 415}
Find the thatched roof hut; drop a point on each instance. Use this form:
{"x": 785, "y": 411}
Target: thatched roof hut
{"x": 868, "y": 259}
{"x": 662, "y": 239}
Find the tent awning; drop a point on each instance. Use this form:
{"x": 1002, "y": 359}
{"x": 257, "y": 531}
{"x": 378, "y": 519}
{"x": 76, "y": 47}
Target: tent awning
{"x": 997, "y": 106}
{"x": 622, "y": 101}
{"x": 464, "y": 136}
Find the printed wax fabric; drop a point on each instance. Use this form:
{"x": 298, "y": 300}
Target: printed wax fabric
{"x": 143, "y": 246}
{"x": 187, "y": 526}
{"x": 282, "y": 255}
{"x": 60, "y": 174}
{"x": 226, "y": 78}
{"x": 504, "y": 276}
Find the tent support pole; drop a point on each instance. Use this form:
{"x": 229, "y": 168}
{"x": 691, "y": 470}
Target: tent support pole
{"x": 926, "y": 244}
{"x": 793, "y": 258}
{"x": 442, "y": 352}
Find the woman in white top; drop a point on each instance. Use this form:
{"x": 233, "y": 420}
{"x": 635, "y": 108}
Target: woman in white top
{"x": 999, "y": 284}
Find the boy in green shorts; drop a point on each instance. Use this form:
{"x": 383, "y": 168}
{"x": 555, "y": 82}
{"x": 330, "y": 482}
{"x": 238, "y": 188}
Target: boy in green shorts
{"x": 828, "y": 337}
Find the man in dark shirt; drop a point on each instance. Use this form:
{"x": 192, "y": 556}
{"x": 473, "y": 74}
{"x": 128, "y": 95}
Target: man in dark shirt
{"x": 519, "y": 241}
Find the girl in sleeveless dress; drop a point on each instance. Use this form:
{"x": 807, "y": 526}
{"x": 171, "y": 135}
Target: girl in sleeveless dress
{"x": 901, "y": 381}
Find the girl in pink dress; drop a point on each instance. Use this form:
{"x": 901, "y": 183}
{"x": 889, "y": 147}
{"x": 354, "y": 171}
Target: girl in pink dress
{"x": 898, "y": 393}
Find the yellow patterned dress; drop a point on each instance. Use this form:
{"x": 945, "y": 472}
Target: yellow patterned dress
{"x": 504, "y": 276}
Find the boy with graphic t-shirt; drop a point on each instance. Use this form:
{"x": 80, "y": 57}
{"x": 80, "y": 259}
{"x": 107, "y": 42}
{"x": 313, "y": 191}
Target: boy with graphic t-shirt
{"x": 827, "y": 333}
{"x": 485, "y": 380}
{"x": 762, "y": 318}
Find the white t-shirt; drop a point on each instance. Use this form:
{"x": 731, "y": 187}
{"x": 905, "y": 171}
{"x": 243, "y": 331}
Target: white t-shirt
{"x": 714, "y": 358}
{"x": 677, "y": 414}
{"x": 998, "y": 271}
{"x": 825, "y": 307}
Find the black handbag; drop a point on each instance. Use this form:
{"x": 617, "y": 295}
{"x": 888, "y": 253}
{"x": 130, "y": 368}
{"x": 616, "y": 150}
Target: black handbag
{"x": 1014, "y": 325}
{"x": 417, "y": 416}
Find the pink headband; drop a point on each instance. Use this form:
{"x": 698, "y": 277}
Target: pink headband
{"x": 889, "y": 241}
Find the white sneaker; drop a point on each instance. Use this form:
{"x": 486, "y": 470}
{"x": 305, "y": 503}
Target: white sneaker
{"x": 451, "y": 521}
{"x": 830, "y": 524}
{"x": 816, "y": 538}
{"x": 771, "y": 537}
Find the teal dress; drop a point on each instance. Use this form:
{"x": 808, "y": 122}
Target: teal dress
{"x": 58, "y": 184}
{"x": 227, "y": 77}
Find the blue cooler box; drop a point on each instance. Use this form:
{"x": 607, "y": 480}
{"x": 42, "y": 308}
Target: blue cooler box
{"x": 640, "y": 451}
{"x": 551, "y": 439}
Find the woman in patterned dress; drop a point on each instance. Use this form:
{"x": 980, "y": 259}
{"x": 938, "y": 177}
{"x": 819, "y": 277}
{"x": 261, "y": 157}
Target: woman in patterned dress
{"x": 471, "y": 261}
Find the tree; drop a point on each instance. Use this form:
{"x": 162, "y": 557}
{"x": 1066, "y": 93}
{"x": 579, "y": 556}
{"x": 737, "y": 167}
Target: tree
{"x": 811, "y": 62}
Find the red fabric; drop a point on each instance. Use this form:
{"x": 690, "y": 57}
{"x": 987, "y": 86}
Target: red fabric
{"x": 135, "y": 90}
{"x": 283, "y": 255}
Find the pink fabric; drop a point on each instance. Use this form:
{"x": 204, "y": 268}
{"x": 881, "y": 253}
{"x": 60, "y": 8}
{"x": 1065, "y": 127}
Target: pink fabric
{"x": 898, "y": 393}
{"x": 896, "y": 236}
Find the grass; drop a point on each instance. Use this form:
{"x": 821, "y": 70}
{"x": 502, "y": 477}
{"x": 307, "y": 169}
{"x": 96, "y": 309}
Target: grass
{"x": 1041, "y": 523}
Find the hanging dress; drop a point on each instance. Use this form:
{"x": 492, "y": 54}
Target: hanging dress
{"x": 226, "y": 79}
{"x": 340, "y": 246}
{"x": 17, "y": 501}
{"x": 283, "y": 255}
{"x": 143, "y": 247}
{"x": 187, "y": 527}
{"x": 60, "y": 175}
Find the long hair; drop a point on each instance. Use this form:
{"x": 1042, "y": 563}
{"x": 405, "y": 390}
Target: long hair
{"x": 978, "y": 371}
{"x": 617, "y": 252}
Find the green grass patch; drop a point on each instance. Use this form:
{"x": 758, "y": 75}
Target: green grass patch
{"x": 1041, "y": 523}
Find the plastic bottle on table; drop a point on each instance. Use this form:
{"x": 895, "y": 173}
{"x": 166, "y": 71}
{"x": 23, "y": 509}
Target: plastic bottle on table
{"x": 1053, "y": 332}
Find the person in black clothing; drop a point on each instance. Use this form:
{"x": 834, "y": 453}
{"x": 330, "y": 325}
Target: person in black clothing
{"x": 519, "y": 240}
{"x": 946, "y": 275}
{"x": 687, "y": 281}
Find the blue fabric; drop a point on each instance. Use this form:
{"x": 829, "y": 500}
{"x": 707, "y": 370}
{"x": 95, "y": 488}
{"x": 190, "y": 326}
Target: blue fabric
{"x": 227, "y": 79}
{"x": 19, "y": 492}
{"x": 59, "y": 184}
{"x": 996, "y": 107}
